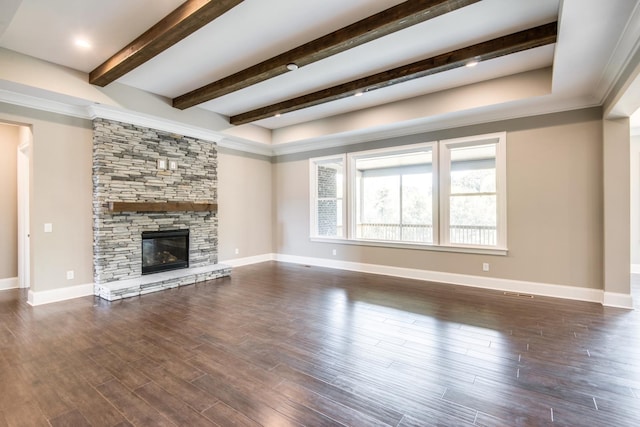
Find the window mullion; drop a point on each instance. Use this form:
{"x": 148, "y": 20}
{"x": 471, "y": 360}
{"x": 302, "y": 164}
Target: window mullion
{"x": 435, "y": 195}
{"x": 501, "y": 192}
{"x": 445, "y": 193}
{"x": 401, "y": 212}
{"x": 349, "y": 206}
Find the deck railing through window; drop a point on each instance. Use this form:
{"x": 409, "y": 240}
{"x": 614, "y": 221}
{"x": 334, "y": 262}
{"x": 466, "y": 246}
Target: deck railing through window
{"x": 466, "y": 234}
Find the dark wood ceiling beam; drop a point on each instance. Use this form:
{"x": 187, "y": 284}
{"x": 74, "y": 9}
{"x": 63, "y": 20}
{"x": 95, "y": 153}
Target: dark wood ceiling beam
{"x": 388, "y": 21}
{"x": 523, "y": 40}
{"x": 185, "y": 20}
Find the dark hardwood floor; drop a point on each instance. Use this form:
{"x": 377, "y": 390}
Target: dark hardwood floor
{"x": 281, "y": 344}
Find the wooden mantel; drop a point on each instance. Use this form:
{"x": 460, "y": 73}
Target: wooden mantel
{"x": 162, "y": 207}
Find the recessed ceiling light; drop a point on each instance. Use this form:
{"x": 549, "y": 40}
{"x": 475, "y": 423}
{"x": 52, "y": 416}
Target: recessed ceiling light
{"x": 292, "y": 66}
{"x": 359, "y": 93}
{"x": 277, "y": 115}
{"x": 472, "y": 63}
{"x": 82, "y": 43}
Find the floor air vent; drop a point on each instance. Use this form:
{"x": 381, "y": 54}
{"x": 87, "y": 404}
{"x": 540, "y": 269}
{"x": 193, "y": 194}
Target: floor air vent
{"x": 517, "y": 294}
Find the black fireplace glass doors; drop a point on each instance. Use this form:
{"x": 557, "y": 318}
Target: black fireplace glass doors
{"x": 164, "y": 250}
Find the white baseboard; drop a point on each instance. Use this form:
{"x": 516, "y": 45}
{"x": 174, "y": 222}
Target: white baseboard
{"x": 56, "y": 295}
{"x": 533, "y": 288}
{"x": 10, "y": 283}
{"x": 635, "y": 268}
{"x": 612, "y": 299}
{"x": 239, "y": 262}
{"x": 609, "y": 299}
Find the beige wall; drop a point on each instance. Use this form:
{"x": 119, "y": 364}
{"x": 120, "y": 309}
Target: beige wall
{"x": 554, "y": 181}
{"x": 616, "y": 206}
{"x": 9, "y": 141}
{"x": 554, "y": 190}
{"x": 61, "y": 195}
{"x": 635, "y": 200}
{"x": 244, "y": 205}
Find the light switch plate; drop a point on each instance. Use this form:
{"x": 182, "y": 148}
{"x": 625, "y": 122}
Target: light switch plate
{"x": 48, "y": 227}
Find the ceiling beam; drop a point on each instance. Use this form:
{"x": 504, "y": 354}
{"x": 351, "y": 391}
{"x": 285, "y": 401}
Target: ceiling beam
{"x": 185, "y": 20}
{"x": 523, "y": 40}
{"x": 388, "y": 21}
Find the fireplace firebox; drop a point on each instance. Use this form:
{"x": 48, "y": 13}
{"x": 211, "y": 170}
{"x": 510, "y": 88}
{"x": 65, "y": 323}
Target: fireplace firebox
{"x": 164, "y": 250}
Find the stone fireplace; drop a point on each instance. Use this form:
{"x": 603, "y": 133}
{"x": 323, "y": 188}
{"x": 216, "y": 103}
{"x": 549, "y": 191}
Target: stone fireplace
{"x": 148, "y": 181}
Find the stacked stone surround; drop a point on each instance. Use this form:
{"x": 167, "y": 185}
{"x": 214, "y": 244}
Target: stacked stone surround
{"x": 125, "y": 169}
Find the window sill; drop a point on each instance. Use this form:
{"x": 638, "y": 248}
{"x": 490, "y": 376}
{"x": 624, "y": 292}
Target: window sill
{"x": 417, "y": 246}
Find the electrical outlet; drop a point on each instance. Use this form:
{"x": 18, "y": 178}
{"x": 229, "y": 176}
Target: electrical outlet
{"x": 485, "y": 266}
{"x": 237, "y": 251}
{"x": 70, "y": 274}
{"x": 335, "y": 252}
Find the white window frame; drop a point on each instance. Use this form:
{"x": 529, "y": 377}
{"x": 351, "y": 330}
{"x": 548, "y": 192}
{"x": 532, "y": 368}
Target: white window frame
{"x": 441, "y": 189}
{"x": 501, "y": 185}
{"x": 352, "y": 158}
{"x": 313, "y": 191}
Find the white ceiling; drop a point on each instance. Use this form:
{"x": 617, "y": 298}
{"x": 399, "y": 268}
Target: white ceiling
{"x": 582, "y": 59}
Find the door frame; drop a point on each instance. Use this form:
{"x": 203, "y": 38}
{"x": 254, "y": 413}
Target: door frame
{"x": 24, "y": 247}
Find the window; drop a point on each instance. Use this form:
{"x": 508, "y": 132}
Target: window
{"x": 394, "y": 194}
{"x": 327, "y": 187}
{"x": 443, "y": 194}
{"x": 473, "y": 191}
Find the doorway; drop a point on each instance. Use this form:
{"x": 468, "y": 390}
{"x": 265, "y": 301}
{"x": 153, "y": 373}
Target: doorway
{"x": 15, "y": 154}
{"x": 23, "y": 170}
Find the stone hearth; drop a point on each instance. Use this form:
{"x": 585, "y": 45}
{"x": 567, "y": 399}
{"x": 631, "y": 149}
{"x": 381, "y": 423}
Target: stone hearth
{"x": 120, "y": 289}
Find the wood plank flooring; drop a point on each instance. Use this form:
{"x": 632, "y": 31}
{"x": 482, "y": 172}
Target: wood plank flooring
{"x": 287, "y": 345}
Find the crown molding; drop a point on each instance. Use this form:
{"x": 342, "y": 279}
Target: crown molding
{"x": 246, "y": 146}
{"x": 93, "y": 111}
{"x": 627, "y": 47}
{"x": 146, "y": 120}
{"x": 509, "y": 111}
{"x": 126, "y": 116}
{"x": 42, "y": 104}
